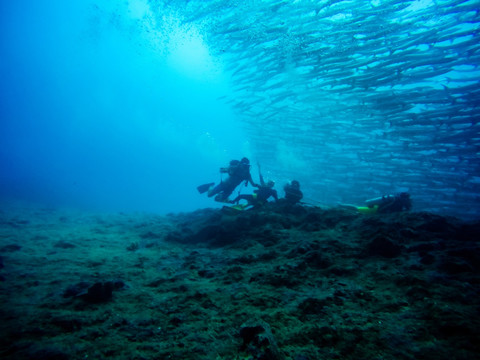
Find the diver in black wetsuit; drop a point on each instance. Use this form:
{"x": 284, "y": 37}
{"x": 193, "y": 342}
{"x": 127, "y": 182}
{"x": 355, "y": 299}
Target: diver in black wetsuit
{"x": 261, "y": 195}
{"x": 384, "y": 205}
{"x": 238, "y": 171}
{"x": 392, "y": 203}
{"x": 293, "y": 194}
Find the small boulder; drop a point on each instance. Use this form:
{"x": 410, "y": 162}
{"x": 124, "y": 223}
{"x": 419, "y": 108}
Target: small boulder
{"x": 383, "y": 246}
{"x": 97, "y": 293}
{"x": 79, "y": 289}
{"x": 10, "y": 248}
{"x": 259, "y": 341}
{"x": 100, "y": 292}
{"x": 64, "y": 245}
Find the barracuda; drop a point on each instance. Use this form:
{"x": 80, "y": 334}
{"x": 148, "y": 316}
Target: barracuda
{"x": 391, "y": 83}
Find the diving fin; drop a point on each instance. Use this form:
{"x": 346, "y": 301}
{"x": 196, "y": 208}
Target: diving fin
{"x": 220, "y": 198}
{"x": 239, "y": 207}
{"x": 235, "y": 209}
{"x": 229, "y": 210}
{"x": 204, "y": 188}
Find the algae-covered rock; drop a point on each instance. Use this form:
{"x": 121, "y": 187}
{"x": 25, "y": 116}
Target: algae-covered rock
{"x": 258, "y": 341}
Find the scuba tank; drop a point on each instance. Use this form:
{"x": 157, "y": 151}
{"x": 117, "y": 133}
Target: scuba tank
{"x": 379, "y": 200}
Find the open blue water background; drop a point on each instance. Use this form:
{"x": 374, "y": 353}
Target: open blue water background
{"x": 91, "y": 118}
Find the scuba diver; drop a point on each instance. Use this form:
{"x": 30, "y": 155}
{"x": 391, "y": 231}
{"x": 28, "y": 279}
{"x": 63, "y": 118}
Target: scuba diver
{"x": 293, "y": 194}
{"x": 237, "y": 171}
{"x": 385, "y": 204}
{"x": 260, "y": 196}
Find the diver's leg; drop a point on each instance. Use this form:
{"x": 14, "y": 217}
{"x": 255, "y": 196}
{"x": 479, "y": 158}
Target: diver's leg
{"x": 205, "y": 187}
{"x": 348, "y": 207}
{"x": 212, "y": 191}
{"x": 242, "y": 197}
{"x": 226, "y": 191}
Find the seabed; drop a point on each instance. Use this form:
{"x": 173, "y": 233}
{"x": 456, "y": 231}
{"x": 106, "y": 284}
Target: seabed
{"x": 272, "y": 283}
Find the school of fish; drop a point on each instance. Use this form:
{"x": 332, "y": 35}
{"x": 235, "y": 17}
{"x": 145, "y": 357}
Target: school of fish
{"x": 353, "y": 98}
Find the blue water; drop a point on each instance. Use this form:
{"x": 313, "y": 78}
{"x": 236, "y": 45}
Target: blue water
{"x": 92, "y": 116}
{"x": 128, "y": 106}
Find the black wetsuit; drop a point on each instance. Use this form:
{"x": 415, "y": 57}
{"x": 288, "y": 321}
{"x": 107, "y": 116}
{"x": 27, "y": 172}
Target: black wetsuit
{"x": 398, "y": 203}
{"x": 237, "y": 174}
{"x": 261, "y": 196}
{"x": 292, "y": 195}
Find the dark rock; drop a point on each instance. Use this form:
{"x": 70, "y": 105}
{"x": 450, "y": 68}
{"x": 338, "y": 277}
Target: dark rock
{"x": 410, "y": 280}
{"x": 259, "y": 341}
{"x": 244, "y": 259}
{"x": 285, "y": 278}
{"x": 215, "y": 235}
{"x": 427, "y": 259}
{"x": 301, "y": 357}
{"x": 235, "y": 270}
{"x": 249, "y": 332}
{"x": 316, "y": 260}
{"x": 158, "y": 282}
{"x": 470, "y": 254}
{"x": 324, "y": 336}
{"x": 119, "y": 285}
{"x": 39, "y": 237}
{"x": 10, "y": 248}
{"x": 120, "y": 322}
{"x": 435, "y": 224}
{"x": 288, "y": 209}
{"x": 409, "y": 233}
{"x": 312, "y": 306}
{"x": 267, "y": 256}
{"x": 383, "y": 246}
{"x": 208, "y": 274}
{"x": 469, "y": 232}
{"x": 266, "y": 238}
{"x": 139, "y": 335}
{"x": 418, "y": 293}
{"x": 423, "y": 248}
{"x": 453, "y": 267}
{"x": 78, "y": 289}
{"x": 372, "y": 222}
{"x": 341, "y": 271}
{"x": 176, "y": 320}
{"x": 300, "y": 249}
{"x": 100, "y": 292}
{"x": 174, "y": 236}
{"x": 96, "y": 293}
{"x": 339, "y": 298}
{"x": 311, "y": 224}
{"x": 48, "y": 354}
{"x": 415, "y": 267}
{"x": 133, "y": 246}
{"x": 151, "y": 235}
{"x": 67, "y": 324}
{"x": 198, "y": 296}
{"x": 64, "y": 245}
{"x": 317, "y": 219}
{"x": 314, "y": 217}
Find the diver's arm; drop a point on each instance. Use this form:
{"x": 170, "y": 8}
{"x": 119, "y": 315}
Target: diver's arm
{"x": 275, "y": 195}
{"x": 250, "y": 180}
{"x": 262, "y": 182}
{"x": 386, "y": 206}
